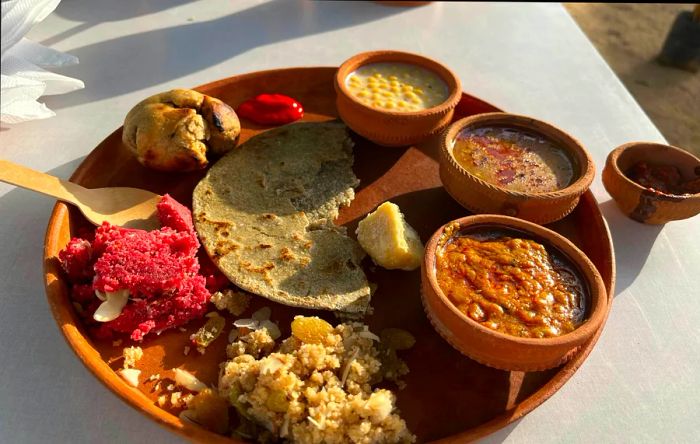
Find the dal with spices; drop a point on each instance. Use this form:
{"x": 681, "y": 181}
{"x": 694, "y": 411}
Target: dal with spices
{"x": 513, "y": 159}
{"x": 510, "y": 285}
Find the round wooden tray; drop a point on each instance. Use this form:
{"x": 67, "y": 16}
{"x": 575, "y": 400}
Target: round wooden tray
{"x": 448, "y": 397}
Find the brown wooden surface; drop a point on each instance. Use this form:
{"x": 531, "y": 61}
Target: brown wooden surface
{"x": 447, "y": 396}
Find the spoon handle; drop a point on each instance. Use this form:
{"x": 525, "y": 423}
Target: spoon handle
{"x": 30, "y": 179}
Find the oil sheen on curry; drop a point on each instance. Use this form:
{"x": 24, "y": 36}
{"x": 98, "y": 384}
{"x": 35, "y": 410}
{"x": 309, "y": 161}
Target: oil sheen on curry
{"x": 510, "y": 284}
{"x": 513, "y": 159}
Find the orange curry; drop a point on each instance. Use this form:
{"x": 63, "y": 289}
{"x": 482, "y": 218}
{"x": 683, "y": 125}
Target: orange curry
{"x": 510, "y": 285}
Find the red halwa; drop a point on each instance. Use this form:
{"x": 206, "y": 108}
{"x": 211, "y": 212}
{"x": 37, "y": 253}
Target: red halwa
{"x": 159, "y": 268}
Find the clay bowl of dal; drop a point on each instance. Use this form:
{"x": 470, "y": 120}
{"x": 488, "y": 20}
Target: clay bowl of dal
{"x": 647, "y": 204}
{"x": 514, "y": 165}
{"x": 483, "y": 319}
{"x": 396, "y": 98}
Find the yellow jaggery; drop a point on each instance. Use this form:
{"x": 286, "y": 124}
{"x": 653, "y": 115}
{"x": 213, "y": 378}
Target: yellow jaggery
{"x": 389, "y": 240}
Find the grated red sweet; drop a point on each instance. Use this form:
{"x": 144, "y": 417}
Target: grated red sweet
{"x": 76, "y": 259}
{"x": 106, "y": 234}
{"x": 142, "y": 316}
{"x": 173, "y": 214}
{"x": 160, "y": 269}
{"x": 82, "y": 293}
{"x": 147, "y": 263}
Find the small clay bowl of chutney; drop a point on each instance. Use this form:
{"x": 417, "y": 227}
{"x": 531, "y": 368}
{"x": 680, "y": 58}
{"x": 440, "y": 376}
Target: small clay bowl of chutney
{"x": 653, "y": 183}
{"x": 514, "y": 165}
{"x": 510, "y": 294}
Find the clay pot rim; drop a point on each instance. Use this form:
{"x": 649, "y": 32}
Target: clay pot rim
{"x": 379, "y": 56}
{"x": 589, "y": 273}
{"x": 614, "y": 156}
{"x": 570, "y": 144}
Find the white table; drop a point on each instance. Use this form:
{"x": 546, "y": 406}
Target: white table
{"x": 640, "y": 383}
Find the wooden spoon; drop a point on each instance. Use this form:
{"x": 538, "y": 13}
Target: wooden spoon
{"x": 122, "y": 206}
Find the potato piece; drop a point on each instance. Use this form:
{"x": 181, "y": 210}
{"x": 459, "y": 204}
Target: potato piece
{"x": 180, "y": 130}
{"x": 389, "y": 240}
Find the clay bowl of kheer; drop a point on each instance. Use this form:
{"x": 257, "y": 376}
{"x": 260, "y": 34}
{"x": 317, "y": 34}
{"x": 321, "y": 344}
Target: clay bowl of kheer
{"x": 396, "y": 98}
{"x": 478, "y": 281}
{"x": 653, "y": 183}
{"x": 514, "y": 165}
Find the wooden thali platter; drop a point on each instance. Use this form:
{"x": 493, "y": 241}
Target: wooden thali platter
{"x": 447, "y": 396}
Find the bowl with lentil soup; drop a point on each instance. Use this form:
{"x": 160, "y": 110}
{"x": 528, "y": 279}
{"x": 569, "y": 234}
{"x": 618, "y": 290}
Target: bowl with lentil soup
{"x": 510, "y": 294}
{"x": 514, "y": 165}
{"x": 396, "y": 98}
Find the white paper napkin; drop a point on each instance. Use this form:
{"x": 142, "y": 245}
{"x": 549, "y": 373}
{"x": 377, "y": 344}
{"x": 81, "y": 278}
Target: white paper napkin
{"x": 23, "y": 77}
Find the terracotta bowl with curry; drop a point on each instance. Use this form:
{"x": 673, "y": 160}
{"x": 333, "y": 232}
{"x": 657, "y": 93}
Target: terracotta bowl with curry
{"x": 510, "y": 294}
{"x": 514, "y": 165}
{"x": 396, "y": 98}
{"x": 653, "y": 183}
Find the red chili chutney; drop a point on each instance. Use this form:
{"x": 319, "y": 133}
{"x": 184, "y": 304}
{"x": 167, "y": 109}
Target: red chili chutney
{"x": 513, "y": 159}
{"x": 664, "y": 178}
{"x": 510, "y": 285}
{"x": 271, "y": 109}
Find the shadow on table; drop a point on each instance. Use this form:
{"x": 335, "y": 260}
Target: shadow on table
{"x": 632, "y": 242}
{"x": 98, "y": 11}
{"x": 22, "y": 238}
{"x": 133, "y": 62}
{"x": 651, "y": 74}
{"x": 500, "y": 435}
{"x": 29, "y": 206}
{"x": 93, "y": 12}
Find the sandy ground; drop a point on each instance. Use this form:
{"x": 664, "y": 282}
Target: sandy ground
{"x": 630, "y": 37}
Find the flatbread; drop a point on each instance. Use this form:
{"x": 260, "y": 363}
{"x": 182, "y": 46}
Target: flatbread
{"x": 264, "y": 213}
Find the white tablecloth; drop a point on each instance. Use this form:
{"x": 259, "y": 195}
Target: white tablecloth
{"x": 641, "y": 383}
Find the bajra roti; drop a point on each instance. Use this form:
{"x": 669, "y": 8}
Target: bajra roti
{"x": 265, "y": 212}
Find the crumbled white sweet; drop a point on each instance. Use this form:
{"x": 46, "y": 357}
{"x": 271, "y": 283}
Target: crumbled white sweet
{"x": 313, "y": 392}
{"x": 130, "y": 375}
{"x": 234, "y": 301}
{"x": 131, "y": 356}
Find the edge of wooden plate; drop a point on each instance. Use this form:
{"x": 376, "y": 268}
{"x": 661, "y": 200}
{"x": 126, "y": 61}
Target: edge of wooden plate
{"x": 69, "y": 324}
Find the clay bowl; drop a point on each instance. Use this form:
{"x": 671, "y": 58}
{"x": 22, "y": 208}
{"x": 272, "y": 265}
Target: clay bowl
{"x": 480, "y": 196}
{"x": 641, "y": 203}
{"x": 501, "y": 350}
{"x": 395, "y": 128}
